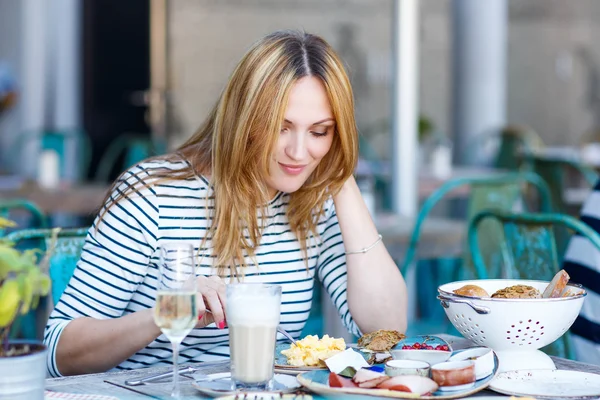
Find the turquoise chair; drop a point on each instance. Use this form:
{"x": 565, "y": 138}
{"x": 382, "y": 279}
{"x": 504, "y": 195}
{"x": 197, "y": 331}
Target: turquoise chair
{"x": 60, "y": 141}
{"x": 510, "y": 141}
{"x": 506, "y": 191}
{"x": 37, "y": 218}
{"x": 134, "y": 148}
{"x": 529, "y": 250}
{"x": 65, "y": 254}
{"x": 554, "y": 170}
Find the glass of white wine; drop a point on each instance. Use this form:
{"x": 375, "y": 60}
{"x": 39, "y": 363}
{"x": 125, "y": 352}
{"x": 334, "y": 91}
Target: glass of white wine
{"x": 175, "y": 312}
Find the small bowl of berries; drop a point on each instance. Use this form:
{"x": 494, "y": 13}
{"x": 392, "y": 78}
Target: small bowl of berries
{"x": 431, "y": 349}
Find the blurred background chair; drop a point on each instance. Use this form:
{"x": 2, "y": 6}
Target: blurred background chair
{"x": 505, "y": 145}
{"x": 507, "y": 191}
{"x": 72, "y": 147}
{"x": 130, "y": 148}
{"x": 559, "y": 173}
{"x": 564, "y": 177}
{"x": 24, "y": 213}
{"x": 66, "y": 246}
{"x": 528, "y": 248}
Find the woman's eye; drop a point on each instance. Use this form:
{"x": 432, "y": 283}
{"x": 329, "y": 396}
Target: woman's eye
{"x": 284, "y": 130}
{"x": 319, "y": 133}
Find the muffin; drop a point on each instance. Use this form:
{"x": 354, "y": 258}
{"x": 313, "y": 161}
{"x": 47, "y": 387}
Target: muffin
{"x": 517, "y": 292}
{"x": 471, "y": 291}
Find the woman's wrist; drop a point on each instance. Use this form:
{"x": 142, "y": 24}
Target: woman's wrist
{"x": 149, "y": 324}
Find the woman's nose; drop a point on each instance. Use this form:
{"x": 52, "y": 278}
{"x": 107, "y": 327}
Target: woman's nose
{"x": 296, "y": 146}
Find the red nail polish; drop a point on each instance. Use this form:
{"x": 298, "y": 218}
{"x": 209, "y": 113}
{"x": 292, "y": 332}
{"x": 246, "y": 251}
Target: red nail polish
{"x": 222, "y": 325}
{"x": 200, "y": 316}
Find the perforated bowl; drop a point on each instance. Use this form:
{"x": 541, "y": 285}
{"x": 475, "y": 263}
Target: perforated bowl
{"x": 510, "y": 324}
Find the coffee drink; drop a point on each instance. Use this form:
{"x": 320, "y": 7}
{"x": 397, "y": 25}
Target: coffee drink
{"x": 252, "y": 317}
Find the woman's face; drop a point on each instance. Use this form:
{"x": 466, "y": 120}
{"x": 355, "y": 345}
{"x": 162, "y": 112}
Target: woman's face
{"x": 305, "y": 137}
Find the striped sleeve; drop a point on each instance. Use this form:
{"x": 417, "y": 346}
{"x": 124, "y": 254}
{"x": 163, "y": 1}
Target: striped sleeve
{"x": 113, "y": 262}
{"x": 331, "y": 267}
{"x": 582, "y": 263}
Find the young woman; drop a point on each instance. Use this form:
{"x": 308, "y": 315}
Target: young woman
{"x": 265, "y": 193}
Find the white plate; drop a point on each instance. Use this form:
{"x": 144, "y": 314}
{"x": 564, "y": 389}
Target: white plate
{"x": 216, "y": 388}
{"x": 547, "y": 383}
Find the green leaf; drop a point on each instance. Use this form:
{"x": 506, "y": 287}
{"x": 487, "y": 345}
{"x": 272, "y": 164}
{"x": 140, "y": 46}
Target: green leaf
{"x": 6, "y": 223}
{"x": 10, "y": 261}
{"x": 348, "y": 372}
{"x": 26, "y": 287}
{"x": 9, "y": 302}
{"x": 43, "y": 284}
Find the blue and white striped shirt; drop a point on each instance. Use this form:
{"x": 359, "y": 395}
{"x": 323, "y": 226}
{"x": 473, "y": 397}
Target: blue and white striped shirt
{"x": 117, "y": 272}
{"x": 582, "y": 263}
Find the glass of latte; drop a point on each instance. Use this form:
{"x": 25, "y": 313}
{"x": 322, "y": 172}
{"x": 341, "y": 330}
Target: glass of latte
{"x": 252, "y": 318}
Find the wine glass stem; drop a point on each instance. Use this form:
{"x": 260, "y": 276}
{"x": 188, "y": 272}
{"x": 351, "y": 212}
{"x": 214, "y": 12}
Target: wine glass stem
{"x": 175, "y": 393}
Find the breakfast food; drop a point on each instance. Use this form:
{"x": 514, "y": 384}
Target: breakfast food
{"x": 367, "y": 379}
{"x": 425, "y": 346}
{"x": 557, "y": 285}
{"x": 517, "y": 292}
{"x": 381, "y": 340}
{"x": 312, "y": 351}
{"x": 471, "y": 291}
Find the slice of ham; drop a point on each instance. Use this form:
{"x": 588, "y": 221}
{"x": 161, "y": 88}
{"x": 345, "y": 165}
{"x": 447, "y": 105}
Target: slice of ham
{"x": 557, "y": 285}
{"x": 340, "y": 382}
{"x": 410, "y": 383}
{"x": 365, "y": 378}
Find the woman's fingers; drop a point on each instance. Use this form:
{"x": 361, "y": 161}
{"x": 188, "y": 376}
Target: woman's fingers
{"x": 222, "y": 293}
{"x": 212, "y": 290}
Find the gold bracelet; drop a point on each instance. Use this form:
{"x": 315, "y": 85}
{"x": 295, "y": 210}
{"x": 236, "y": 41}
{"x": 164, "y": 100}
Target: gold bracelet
{"x": 364, "y": 250}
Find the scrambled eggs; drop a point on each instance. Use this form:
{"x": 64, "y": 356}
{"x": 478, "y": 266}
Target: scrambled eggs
{"x": 311, "y": 351}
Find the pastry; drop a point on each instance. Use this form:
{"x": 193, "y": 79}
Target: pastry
{"x": 380, "y": 340}
{"x": 517, "y": 292}
{"x": 471, "y": 291}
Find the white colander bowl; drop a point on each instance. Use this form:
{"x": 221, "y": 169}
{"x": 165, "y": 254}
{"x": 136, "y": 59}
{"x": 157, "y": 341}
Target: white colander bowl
{"x": 514, "y": 328}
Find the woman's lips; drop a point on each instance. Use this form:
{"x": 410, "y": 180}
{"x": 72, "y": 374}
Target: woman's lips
{"x": 292, "y": 169}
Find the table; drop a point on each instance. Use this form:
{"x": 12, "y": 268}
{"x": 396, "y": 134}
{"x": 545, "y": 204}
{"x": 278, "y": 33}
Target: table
{"x": 112, "y": 383}
{"x": 78, "y": 199}
{"x": 86, "y": 198}
{"x": 440, "y": 237}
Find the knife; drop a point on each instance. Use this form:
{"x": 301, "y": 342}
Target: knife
{"x": 185, "y": 370}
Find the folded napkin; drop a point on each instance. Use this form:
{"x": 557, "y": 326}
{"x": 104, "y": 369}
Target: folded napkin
{"x": 48, "y": 395}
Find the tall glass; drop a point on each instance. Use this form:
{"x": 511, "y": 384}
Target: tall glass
{"x": 175, "y": 312}
{"x": 253, "y": 311}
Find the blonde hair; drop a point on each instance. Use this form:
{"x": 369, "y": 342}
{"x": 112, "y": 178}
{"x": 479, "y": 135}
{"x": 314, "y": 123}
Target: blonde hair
{"x": 235, "y": 143}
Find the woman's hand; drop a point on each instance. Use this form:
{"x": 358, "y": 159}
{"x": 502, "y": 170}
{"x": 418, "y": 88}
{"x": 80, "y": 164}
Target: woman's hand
{"x": 211, "y": 302}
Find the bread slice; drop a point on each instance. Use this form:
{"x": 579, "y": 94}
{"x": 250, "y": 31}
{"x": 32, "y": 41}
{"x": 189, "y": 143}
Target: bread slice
{"x": 557, "y": 285}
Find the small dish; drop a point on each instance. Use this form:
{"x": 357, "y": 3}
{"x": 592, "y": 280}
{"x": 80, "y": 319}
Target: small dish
{"x": 282, "y": 384}
{"x": 407, "y": 367}
{"x": 422, "y": 348}
{"x": 483, "y": 357}
{"x": 454, "y": 373}
{"x": 265, "y": 396}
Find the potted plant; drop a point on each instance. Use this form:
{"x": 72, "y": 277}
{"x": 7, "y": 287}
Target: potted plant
{"x": 22, "y": 282}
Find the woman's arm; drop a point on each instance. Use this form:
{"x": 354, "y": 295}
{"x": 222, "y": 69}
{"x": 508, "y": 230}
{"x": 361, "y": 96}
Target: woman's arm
{"x": 89, "y": 345}
{"x": 91, "y": 329}
{"x": 376, "y": 291}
